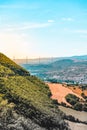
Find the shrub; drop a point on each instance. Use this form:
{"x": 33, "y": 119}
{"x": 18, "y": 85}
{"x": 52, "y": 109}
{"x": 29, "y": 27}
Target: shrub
{"x": 72, "y": 99}
{"x": 55, "y": 102}
{"x": 78, "y": 106}
{"x": 63, "y": 104}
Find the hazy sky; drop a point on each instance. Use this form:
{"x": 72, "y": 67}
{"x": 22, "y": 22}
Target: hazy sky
{"x": 43, "y": 28}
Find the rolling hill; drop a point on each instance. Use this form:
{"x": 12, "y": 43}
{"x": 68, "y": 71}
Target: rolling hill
{"x": 25, "y": 102}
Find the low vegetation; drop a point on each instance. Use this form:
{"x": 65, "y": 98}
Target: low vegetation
{"x": 76, "y": 103}
{"x": 72, "y": 99}
{"x": 29, "y": 96}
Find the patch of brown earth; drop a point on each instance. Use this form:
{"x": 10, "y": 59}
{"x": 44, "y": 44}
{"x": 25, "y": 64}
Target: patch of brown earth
{"x": 59, "y": 92}
{"x": 85, "y": 92}
{"x": 78, "y": 90}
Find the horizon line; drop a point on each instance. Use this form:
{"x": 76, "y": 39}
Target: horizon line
{"x": 47, "y": 57}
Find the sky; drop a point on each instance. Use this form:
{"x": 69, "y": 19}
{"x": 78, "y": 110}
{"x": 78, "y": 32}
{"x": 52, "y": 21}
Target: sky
{"x": 43, "y": 28}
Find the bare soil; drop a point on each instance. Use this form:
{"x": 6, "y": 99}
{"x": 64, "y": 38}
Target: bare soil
{"x": 59, "y": 91}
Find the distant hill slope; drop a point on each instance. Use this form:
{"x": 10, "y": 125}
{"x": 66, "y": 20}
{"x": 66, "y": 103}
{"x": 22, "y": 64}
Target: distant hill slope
{"x": 82, "y": 57}
{"x": 25, "y": 102}
{"x": 49, "y": 59}
{"x": 66, "y": 70}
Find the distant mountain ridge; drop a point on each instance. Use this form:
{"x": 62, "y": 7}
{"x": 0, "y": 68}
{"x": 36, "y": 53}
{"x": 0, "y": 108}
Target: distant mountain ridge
{"x": 82, "y": 57}
{"x": 48, "y": 60}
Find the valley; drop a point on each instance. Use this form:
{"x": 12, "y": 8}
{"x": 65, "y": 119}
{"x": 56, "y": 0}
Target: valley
{"x": 64, "y": 77}
{"x": 65, "y": 70}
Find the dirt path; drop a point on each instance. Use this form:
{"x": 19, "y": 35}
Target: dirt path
{"x": 77, "y": 126}
{"x": 59, "y": 92}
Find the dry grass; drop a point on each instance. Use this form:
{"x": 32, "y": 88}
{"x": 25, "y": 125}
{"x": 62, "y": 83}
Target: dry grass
{"x": 78, "y": 90}
{"x": 59, "y": 92}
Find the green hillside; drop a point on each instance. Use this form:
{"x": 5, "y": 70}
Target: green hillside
{"x": 6, "y": 62}
{"x": 30, "y": 98}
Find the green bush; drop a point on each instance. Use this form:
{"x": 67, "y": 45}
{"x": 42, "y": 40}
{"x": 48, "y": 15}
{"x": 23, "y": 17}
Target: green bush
{"x": 55, "y": 102}
{"x": 72, "y": 99}
{"x": 63, "y": 104}
{"x": 78, "y": 106}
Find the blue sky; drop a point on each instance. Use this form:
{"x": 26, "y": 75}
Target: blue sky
{"x": 43, "y": 28}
